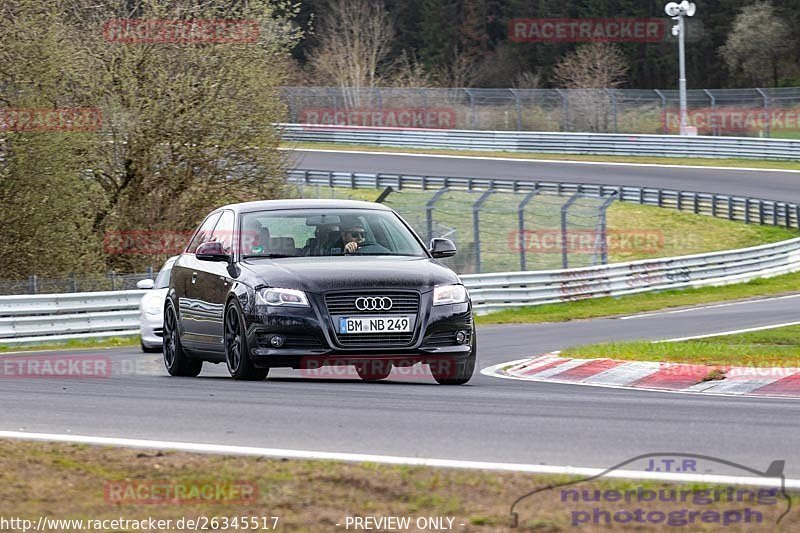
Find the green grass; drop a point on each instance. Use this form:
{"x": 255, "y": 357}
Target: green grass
{"x": 703, "y": 162}
{"x": 639, "y": 303}
{"x": 68, "y": 481}
{"x": 75, "y": 344}
{"x": 766, "y": 348}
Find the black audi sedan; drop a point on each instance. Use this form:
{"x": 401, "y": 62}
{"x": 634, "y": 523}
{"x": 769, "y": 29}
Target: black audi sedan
{"x": 304, "y": 283}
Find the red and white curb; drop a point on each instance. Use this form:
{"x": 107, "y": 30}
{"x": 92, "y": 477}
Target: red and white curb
{"x": 663, "y": 377}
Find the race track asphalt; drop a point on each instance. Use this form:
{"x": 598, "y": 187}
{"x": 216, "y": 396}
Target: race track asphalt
{"x": 771, "y": 185}
{"x": 490, "y": 419}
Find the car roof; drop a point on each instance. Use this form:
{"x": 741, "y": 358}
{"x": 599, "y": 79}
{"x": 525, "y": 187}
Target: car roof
{"x": 266, "y": 205}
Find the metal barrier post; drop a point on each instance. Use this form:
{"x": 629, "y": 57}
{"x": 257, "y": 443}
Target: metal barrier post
{"x": 602, "y": 236}
{"x": 564, "y": 250}
{"x": 429, "y": 210}
{"x": 518, "y": 107}
{"x": 714, "y": 128}
{"x": 476, "y": 231}
{"x": 471, "y": 108}
{"x": 33, "y": 285}
{"x": 613, "y": 108}
{"x": 564, "y": 110}
{"x": 768, "y": 118}
{"x": 521, "y": 218}
{"x": 386, "y": 192}
{"x": 663, "y": 110}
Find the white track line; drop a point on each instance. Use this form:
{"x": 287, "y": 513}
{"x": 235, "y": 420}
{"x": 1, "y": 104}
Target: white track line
{"x": 532, "y": 160}
{"x": 731, "y": 332}
{"x": 704, "y": 307}
{"x": 392, "y": 460}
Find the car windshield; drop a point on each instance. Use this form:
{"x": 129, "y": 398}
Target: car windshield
{"x": 325, "y": 232}
{"x": 162, "y": 280}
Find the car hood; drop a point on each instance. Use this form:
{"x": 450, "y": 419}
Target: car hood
{"x": 322, "y": 274}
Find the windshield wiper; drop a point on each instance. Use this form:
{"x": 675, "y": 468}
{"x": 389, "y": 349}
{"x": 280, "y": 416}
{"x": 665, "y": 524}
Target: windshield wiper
{"x": 267, "y": 256}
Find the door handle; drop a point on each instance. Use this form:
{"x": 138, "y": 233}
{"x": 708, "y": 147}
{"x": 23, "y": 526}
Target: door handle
{"x": 194, "y": 278}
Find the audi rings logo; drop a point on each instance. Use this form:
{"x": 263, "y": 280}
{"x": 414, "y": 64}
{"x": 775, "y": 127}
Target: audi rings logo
{"x": 373, "y": 303}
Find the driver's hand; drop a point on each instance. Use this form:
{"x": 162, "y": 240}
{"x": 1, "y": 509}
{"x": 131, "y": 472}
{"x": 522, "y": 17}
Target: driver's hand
{"x": 350, "y": 247}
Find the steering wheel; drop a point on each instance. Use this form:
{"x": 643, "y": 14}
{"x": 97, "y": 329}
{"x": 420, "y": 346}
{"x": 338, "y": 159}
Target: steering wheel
{"x": 362, "y": 244}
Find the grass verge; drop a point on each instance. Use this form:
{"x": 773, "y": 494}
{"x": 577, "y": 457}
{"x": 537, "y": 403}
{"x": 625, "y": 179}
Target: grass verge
{"x": 75, "y": 344}
{"x": 640, "y": 303}
{"x": 779, "y": 347}
{"x": 64, "y": 481}
{"x": 701, "y": 162}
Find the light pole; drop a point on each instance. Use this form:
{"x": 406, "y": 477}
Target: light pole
{"x": 678, "y": 12}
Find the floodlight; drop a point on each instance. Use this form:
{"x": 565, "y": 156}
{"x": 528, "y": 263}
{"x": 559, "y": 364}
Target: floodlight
{"x": 672, "y": 9}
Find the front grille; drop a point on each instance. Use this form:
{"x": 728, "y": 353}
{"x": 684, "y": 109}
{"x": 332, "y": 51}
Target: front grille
{"x": 159, "y": 332}
{"x": 403, "y": 303}
{"x": 376, "y": 339}
{"x": 345, "y": 304}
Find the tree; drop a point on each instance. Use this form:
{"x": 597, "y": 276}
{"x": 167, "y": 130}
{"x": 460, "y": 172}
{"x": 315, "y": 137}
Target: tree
{"x": 186, "y": 127}
{"x": 595, "y": 65}
{"x": 355, "y": 39}
{"x": 46, "y": 201}
{"x": 590, "y": 71}
{"x": 756, "y": 43}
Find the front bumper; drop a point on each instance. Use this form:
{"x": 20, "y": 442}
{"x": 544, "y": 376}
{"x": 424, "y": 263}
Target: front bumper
{"x": 310, "y": 338}
{"x": 151, "y": 329}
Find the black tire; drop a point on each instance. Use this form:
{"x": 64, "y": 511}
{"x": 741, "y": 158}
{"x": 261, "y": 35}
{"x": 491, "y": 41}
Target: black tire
{"x": 237, "y": 355}
{"x": 374, "y": 370}
{"x": 176, "y": 360}
{"x": 151, "y": 349}
{"x": 456, "y": 372}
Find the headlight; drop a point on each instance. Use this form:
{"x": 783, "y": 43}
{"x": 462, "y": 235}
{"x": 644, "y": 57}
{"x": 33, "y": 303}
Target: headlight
{"x": 449, "y": 294}
{"x": 152, "y": 306}
{"x": 288, "y": 297}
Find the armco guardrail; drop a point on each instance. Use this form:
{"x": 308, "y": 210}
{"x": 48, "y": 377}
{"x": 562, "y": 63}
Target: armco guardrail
{"x": 546, "y": 142}
{"x": 749, "y": 210}
{"x": 493, "y": 292}
{"x": 42, "y": 318}
{"x": 56, "y": 317}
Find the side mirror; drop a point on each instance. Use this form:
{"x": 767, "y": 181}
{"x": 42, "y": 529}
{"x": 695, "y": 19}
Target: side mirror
{"x": 442, "y": 248}
{"x": 212, "y": 251}
{"x": 145, "y": 284}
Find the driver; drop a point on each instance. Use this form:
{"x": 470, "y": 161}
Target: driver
{"x": 353, "y": 236}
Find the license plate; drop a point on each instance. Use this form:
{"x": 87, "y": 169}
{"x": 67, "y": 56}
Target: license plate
{"x": 375, "y": 324}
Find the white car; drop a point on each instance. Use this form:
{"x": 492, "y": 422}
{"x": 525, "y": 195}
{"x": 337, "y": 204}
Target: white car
{"x": 151, "y": 308}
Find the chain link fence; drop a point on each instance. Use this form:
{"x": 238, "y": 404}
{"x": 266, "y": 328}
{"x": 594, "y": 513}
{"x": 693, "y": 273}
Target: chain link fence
{"x": 498, "y": 231}
{"x": 110, "y": 281}
{"x": 736, "y": 112}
